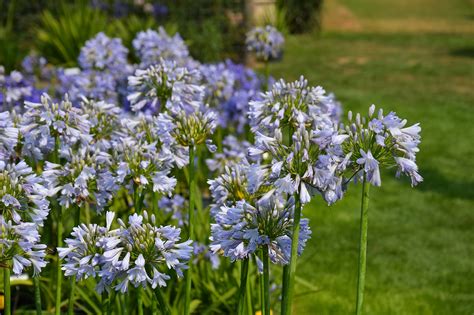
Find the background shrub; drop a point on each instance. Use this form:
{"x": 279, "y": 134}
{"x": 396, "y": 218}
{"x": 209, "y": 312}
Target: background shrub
{"x": 301, "y": 16}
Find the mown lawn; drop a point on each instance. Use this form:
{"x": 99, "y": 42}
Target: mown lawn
{"x": 421, "y": 240}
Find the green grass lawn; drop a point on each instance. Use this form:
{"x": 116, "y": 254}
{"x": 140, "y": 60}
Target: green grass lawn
{"x": 421, "y": 240}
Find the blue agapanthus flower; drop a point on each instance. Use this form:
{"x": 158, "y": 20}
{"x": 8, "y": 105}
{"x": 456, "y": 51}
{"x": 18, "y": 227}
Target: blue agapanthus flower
{"x": 165, "y": 85}
{"x": 293, "y": 104}
{"x": 228, "y": 89}
{"x": 16, "y": 89}
{"x": 46, "y": 121}
{"x": 20, "y": 244}
{"x": 152, "y": 46}
{"x": 382, "y": 141}
{"x": 23, "y": 197}
{"x": 241, "y": 230}
{"x": 8, "y": 136}
{"x": 89, "y": 83}
{"x": 36, "y": 67}
{"x": 104, "y": 53}
{"x": 312, "y": 159}
{"x": 85, "y": 178}
{"x": 267, "y": 42}
{"x": 23, "y": 207}
{"x": 137, "y": 253}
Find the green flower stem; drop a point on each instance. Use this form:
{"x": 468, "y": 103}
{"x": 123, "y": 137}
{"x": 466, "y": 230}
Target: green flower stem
{"x": 123, "y": 304}
{"x": 364, "y": 221}
{"x": 187, "y": 297}
{"x": 136, "y": 199}
{"x": 219, "y": 136}
{"x": 105, "y": 303}
{"x": 77, "y": 220}
{"x": 86, "y": 213}
{"x": 286, "y": 268}
{"x": 57, "y": 144}
{"x": 284, "y": 288}
{"x": 266, "y": 280}
{"x": 248, "y": 297}
{"x": 140, "y": 301}
{"x": 59, "y": 274}
{"x": 156, "y": 197}
{"x": 70, "y": 307}
{"x": 244, "y": 270}
{"x": 36, "y": 284}
{"x": 289, "y": 274}
{"x": 263, "y": 304}
{"x": 267, "y": 75}
{"x": 7, "y": 291}
{"x": 161, "y": 301}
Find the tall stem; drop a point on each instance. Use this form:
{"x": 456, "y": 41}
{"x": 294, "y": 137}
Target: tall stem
{"x": 105, "y": 303}
{"x": 284, "y": 289}
{"x": 59, "y": 274}
{"x": 136, "y": 199}
{"x": 7, "y": 291}
{"x": 266, "y": 281}
{"x": 70, "y": 307}
{"x": 36, "y": 284}
{"x": 248, "y": 297}
{"x": 161, "y": 301}
{"x": 77, "y": 220}
{"x": 289, "y": 274}
{"x": 187, "y": 298}
{"x": 244, "y": 270}
{"x": 286, "y": 268}
{"x": 262, "y": 291}
{"x": 267, "y": 76}
{"x": 364, "y": 221}
{"x": 140, "y": 300}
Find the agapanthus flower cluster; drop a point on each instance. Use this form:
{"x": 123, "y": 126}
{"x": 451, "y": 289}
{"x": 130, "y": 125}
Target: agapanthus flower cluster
{"x": 157, "y": 131}
{"x": 104, "y": 53}
{"x": 23, "y": 208}
{"x": 165, "y": 85}
{"x": 103, "y": 72}
{"x": 242, "y": 229}
{"x": 152, "y": 46}
{"x": 305, "y": 167}
{"x": 242, "y": 181}
{"x": 137, "y": 253}
{"x": 36, "y": 67}
{"x": 88, "y": 83}
{"x": 312, "y": 159}
{"x": 8, "y": 136}
{"x": 379, "y": 141}
{"x": 104, "y": 118}
{"x": 33, "y": 63}
{"x": 292, "y": 104}
{"x": 20, "y": 244}
{"x": 49, "y": 125}
{"x": 266, "y": 42}
{"x": 141, "y": 166}
{"x": 85, "y": 178}
{"x": 228, "y": 88}
{"x": 15, "y": 89}
{"x": 195, "y": 128}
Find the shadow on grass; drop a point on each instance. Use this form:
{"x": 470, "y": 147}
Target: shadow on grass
{"x": 434, "y": 181}
{"x": 463, "y": 52}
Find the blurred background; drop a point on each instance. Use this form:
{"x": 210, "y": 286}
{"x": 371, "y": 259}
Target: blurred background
{"x": 414, "y": 57}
